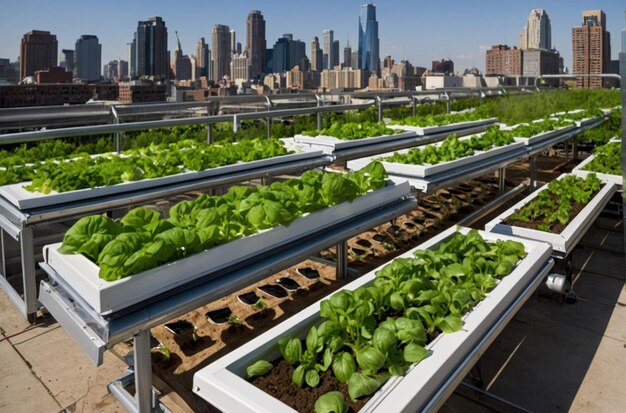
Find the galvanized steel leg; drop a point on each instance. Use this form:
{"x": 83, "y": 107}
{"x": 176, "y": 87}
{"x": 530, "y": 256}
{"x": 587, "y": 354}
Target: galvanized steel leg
{"x": 268, "y": 129}
{"x": 533, "y": 172}
{"x": 342, "y": 260}
{"x": 566, "y": 143}
{"x": 575, "y": 148}
{"x": 501, "y": 178}
{"x": 28, "y": 271}
{"x": 143, "y": 371}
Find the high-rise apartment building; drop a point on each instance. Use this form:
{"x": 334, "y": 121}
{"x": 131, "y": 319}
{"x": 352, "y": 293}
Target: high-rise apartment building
{"x": 537, "y": 33}
{"x": 317, "y": 58}
{"x": 442, "y": 66}
{"x": 132, "y": 56}
{"x": 67, "y": 60}
{"x": 347, "y": 56}
{"x": 591, "y": 46}
{"x": 240, "y": 67}
{"x": 297, "y": 54}
{"x": 220, "y": 50}
{"x": 122, "y": 69}
{"x": 203, "y": 60}
{"x": 151, "y": 49}
{"x": 38, "y": 51}
{"x": 255, "y": 43}
{"x": 88, "y": 57}
{"x": 328, "y": 44}
{"x": 504, "y": 61}
{"x": 281, "y": 56}
{"x": 369, "y": 43}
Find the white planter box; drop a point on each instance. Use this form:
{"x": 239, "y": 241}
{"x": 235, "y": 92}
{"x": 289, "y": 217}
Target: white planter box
{"x": 542, "y": 136}
{"x": 23, "y": 199}
{"x": 430, "y": 130}
{"x": 109, "y": 296}
{"x": 579, "y": 171}
{"x": 573, "y": 232}
{"x": 330, "y": 144}
{"x": 222, "y": 383}
{"x": 424, "y": 170}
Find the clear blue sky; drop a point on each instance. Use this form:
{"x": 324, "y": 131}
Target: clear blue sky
{"x": 420, "y": 31}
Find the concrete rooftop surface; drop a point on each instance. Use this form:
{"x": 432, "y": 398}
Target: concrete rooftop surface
{"x": 552, "y": 357}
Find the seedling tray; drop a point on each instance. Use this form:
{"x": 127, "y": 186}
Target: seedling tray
{"x": 431, "y": 130}
{"x": 424, "y": 170}
{"x": 24, "y": 200}
{"x": 223, "y": 385}
{"x": 330, "y": 144}
{"x": 105, "y": 297}
{"x": 564, "y": 242}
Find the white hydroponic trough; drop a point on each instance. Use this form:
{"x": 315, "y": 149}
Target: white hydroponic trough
{"x": 330, "y": 144}
{"x": 541, "y": 136}
{"x": 23, "y": 199}
{"x": 580, "y": 171}
{"x": 424, "y": 170}
{"x": 223, "y": 385}
{"x": 105, "y": 297}
{"x": 431, "y": 130}
{"x": 571, "y": 234}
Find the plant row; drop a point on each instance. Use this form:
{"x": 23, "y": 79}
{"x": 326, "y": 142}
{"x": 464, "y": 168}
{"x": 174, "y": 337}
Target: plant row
{"x": 580, "y": 115}
{"x": 151, "y": 162}
{"x": 607, "y": 159}
{"x": 453, "y": 148}
{"x": 531, "y": 129}
{"x": 142, "y": 239}
{"x": 439, "y": 120}
{"x": 353, "y": 130}
{"x": 378, "y": 331}
{"x": 553, "y": 205}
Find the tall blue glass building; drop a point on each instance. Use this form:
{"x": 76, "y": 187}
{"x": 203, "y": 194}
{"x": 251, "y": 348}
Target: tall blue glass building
{"x": 369, "y": 58}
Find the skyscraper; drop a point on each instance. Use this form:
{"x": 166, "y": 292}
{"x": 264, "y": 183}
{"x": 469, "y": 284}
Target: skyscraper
{"x": 38, "y": 51}
{"x": 233, "y": 42}
{"x": 333, "y": 60}
{"x": 67, "y": 61}
{"x": 220, "y": 50}
{"x": 316, "y": 55}
{"x": 591, "y": 46}
{"x": 151, "y": 48}
{"x": 537, "y": 33}
{"x": 182, "y": 63}
{"x": 369, "y": 43}
{"x": 281, "y": 56}
{"x": 88, "y": 57}
{"x": 203, "y": 60}
{"x": 132, "y": 57}
{"x": 347, "y": 56}
{"x": 255, "y": 43}
{"x": 328, "y": 44}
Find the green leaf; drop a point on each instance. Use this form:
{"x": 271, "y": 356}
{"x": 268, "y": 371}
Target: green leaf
{"x": 140, "y": 217}
{"x": 343, "y": 366}
{"x": 298, "y": 376}
{"x": 384, "y": 339}
{"x": 331, "y": 402}
{"x": 414, "y": 353}
{"x": 291, "y": 349}
{"x": 370, "y": 359}
{"x": 360, "y": 384}
{"x": 312, "y": 378}
{"x": 450, "y": 324}
{"x": 259, "y": 368}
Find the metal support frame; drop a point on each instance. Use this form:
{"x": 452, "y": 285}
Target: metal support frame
{"x": 566, "y": 145}
{"x": 209, "y": 133}
{"x": 118, "y": 137}
{"x": 575, "y": 148}
{"x": 143, "y": 371}
{"x": 501, "y": 179}
{"x": 533, "y": 171}
{"x": 622, "y": 68}
{"x": 342, "y": 260}
{"x": 379, "y": 104}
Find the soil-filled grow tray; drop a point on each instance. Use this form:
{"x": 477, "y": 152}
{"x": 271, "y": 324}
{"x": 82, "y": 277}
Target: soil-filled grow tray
{"x": 81, "y": 274}
{"x": 580, "y": 170}
{"x": 564, "y": 241}
{"x": 424, "y": 170}
{"x": 452, "y": 127}
{"x": 23, "y": 199}
{"x": 330, "y": 144}
{"x": 223, "y": 383}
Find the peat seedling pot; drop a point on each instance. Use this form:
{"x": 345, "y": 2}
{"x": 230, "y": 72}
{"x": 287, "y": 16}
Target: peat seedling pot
{"x": 309, "y": 273}
{"x": 219, "y": 316}
{"x": 184, "y": 332}
{"x": 248, "y": 298}
{"x": 288, "y": 284}
{"x": 364, "y": 243}
{"x": 274, "y": 290}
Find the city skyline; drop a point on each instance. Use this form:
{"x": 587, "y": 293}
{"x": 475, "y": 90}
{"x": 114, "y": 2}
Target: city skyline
{"x": 400, "y": 25}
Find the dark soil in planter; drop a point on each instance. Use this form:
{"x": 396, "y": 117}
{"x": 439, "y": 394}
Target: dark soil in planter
{"x": 278, "y": 384}
{"x": 359, "y": 251}
{"x": 261, "y": 318}
{"x": 555, "y": 228}
{"x": 380, "y": 238}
